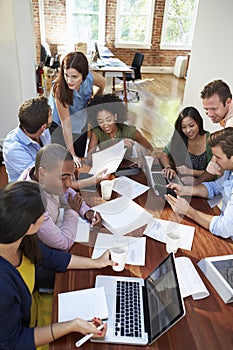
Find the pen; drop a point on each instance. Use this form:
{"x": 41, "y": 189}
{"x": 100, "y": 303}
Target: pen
{"x": 87, "y": 337}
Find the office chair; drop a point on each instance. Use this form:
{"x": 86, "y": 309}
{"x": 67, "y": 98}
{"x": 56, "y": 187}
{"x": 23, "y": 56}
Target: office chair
{"x": 136, "y": 72}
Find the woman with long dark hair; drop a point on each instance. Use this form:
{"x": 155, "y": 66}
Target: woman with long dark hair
{"x": 22, "y": 322}
{"x": 70, "y": 94}
{"x": 188, "y": 153}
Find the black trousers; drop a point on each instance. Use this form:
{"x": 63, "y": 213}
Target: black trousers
{"x": 79, "y": 140}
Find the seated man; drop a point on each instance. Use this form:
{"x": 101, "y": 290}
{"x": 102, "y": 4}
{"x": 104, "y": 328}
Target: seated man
{"x": 21, "y": 144}
{"x": 221, "y": 143}
{"x": 54, "y": 170}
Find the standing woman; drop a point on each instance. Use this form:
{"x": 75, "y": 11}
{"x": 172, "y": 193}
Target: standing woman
{"x": 25, "y": 316}
{"x": 68, "y": 99}
{"x": 188, "y": 152}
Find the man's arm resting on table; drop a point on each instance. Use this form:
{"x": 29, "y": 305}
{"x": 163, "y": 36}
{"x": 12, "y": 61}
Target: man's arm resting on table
{"x": 199, "y": 217}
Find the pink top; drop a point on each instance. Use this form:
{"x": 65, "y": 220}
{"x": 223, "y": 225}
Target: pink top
{"x": 60, "y": 224}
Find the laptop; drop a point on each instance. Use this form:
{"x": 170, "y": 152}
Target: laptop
{"x": 156, "y": 179}
{"x": 141, "y": 310}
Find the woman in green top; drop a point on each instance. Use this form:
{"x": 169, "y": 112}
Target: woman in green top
{"x": 188, "y": 153}
{"x": 107, "y": 115}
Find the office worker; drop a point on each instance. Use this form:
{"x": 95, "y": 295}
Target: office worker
{"x": 68, "y": 99}
{"x": 217, "y": 102}
{"x": 221, "y": 143}
{"x": 107, "y": 115}
{"x": 21, "y": 314}
{"x": 22, "y": 143}
{"x": 54, "y": 170}
{"x": 188, "y": 152}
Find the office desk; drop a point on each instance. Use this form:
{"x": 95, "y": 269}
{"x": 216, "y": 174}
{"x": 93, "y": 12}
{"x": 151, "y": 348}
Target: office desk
{"x": 114, "y": 71}
{"x": 208, "y": 323}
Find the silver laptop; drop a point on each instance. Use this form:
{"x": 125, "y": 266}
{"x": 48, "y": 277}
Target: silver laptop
{"x": 156, "y": 179}
{"x": 140, "y": 311}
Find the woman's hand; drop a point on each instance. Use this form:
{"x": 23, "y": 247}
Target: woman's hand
{"x": 183, "y": 170}
{"x": 169, "y": 172}
{"x": 128, "y": 143}
{"x": 86, "y": 327}
{"x": 77, "y": 162}
{"x": 104, "y": 260}
{"x": 102, "y": 175}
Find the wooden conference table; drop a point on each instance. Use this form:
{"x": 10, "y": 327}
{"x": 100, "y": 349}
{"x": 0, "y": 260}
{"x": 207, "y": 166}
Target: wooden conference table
{"x": 208, "y": 323}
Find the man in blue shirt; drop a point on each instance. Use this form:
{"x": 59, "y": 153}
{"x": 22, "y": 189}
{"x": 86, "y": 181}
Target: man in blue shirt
{"x": 22, "y": 144}
{"x": 221, "y": 143}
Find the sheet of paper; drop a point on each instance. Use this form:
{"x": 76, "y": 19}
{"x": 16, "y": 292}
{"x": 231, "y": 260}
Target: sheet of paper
{"x": 85, "y": 303}
{"x": 157, "y": 229}
{"x": 136, "y": 247}
{"x": 189, "y": 280}
{"x": 109, "y": 159}
{"x": 128, "y": 187}
{"x": 83, "y": 230}
{"x": 122, "y": 215}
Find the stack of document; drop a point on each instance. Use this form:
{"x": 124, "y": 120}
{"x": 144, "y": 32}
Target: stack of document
{"x": 121, "y": 215}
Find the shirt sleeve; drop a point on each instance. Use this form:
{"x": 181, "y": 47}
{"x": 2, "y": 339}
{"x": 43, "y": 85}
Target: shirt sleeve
{"x": 222, "y": 225}
{"x": 214, "y": 187}
{"x": 59, "y": 236}
{"x": 53, "y": 259}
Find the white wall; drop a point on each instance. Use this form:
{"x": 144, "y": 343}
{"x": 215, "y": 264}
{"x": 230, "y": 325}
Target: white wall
{"x": 17, "y": 60}
{"x": 212, "y": 52}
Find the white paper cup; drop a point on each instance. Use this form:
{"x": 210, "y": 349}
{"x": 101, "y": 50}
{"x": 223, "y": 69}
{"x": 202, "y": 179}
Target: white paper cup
{"x": 150, "y": 161}
{"x": 106, "y": 189}
{"x": 119, "y": 255}
{"x": 172, "y": 242}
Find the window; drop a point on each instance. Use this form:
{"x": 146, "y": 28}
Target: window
{"x": 178, "y": 24}
{"x": 134, "y": 23}
{"x": 86, "y": 21}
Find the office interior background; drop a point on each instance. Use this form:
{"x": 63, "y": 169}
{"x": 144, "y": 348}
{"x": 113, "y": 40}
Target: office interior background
{"x": 20, "y": 28}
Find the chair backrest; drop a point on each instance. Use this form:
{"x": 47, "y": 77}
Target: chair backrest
{"x": 137, "y": 63}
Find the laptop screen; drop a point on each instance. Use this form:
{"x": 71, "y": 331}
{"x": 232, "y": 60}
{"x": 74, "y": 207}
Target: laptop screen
{"x": 165, "y": 303}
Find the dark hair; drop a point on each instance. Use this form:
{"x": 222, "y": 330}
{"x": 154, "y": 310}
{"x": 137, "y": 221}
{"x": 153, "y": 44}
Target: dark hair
{"x": 109, "y": 102}
{"x": 21, "y": 205}
{"x": 218, "y": 87}
{"x": 78, "y": 61}
{"x": 224, "y": 139}
{"x": 49, "y": 155}
{"x": 179, "y": 140}
{"x": 33, "y": 114}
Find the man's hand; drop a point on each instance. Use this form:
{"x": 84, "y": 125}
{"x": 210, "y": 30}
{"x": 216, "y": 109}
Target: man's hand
{"x": 76, "y": 202}
{"x": 179, "y": 205}
{"x": 93, "y": 217}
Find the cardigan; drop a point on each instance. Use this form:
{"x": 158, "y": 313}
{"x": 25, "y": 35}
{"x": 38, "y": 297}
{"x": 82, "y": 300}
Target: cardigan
{"x": 15, "y": 300}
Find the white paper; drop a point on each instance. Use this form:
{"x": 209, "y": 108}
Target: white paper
{"x": 83, "y": 230}
{"x": 128, "y": 187}
{"x": 189, "y": 280}
{"x": 85, "y": 303}
{"x": 121, "y": 215}
{"x": 157, "y": 229}
{"x": 109, "y": 159}
{"x": 136, "y": 247}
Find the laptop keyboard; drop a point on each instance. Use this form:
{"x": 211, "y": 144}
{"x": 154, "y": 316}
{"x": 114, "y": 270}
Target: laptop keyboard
{"x": 159, "y": 179}
{"x": 128, "y": 311}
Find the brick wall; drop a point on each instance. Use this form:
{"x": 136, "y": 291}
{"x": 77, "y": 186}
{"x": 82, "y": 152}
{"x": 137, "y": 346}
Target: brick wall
{"x": 55, "y": 29}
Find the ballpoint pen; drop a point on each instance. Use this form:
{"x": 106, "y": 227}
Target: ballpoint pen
{"x": 87, "y": 337}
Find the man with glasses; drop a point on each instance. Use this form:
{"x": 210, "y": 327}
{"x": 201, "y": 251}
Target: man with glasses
{"x": 22, "y": 144}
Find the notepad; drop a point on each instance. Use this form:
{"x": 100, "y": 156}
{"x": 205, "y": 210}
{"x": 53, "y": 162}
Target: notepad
{"x": 84, "y": 303}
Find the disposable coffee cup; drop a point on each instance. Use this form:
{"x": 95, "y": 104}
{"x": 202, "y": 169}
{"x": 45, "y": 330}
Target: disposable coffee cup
{"x": 106, "y": 189}
{"x": 150, "y": 161}
{"x": 119, "y": 255}
{"x": 172, "y": 242}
